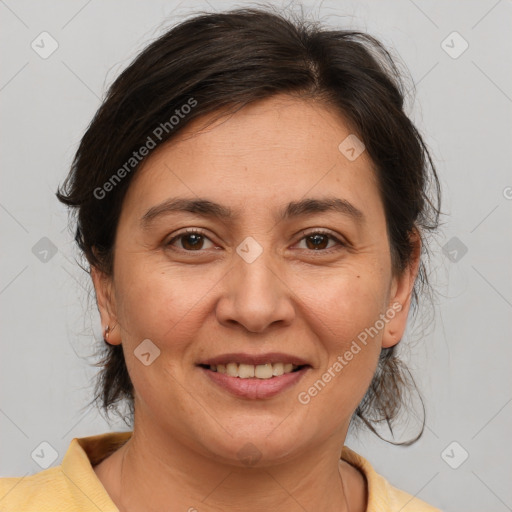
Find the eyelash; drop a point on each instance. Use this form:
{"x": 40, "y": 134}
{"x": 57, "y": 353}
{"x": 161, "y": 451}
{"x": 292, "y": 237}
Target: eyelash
{"x": 196, "y": 231}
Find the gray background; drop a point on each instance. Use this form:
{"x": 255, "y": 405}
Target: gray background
{"x": 463, "y": 106}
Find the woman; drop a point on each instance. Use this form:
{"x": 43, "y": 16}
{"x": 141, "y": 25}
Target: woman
{"x": 252, "y": 200}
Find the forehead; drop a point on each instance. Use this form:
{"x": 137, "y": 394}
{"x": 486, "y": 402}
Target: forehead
{"x": 269, "y": 151}
{"x": 269, "y": 127}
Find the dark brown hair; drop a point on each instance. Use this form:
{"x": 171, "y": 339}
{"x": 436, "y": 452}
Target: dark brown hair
{"x": 221, "y": 62}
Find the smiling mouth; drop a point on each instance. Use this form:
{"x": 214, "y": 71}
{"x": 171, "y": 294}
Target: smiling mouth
{"x": 251, "y": 371}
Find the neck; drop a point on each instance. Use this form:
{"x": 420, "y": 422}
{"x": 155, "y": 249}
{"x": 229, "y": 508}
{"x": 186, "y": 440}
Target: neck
{"x": 156, "y": 472}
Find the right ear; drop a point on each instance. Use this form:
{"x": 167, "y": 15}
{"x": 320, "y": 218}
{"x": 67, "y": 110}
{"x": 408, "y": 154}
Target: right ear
{"x": 103, "y": 287}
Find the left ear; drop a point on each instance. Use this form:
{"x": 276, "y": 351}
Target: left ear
{"x": 400, "y": 296}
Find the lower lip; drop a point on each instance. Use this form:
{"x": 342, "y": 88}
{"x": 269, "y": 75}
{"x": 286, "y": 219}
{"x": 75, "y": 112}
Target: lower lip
{"x": 254, "y": 388}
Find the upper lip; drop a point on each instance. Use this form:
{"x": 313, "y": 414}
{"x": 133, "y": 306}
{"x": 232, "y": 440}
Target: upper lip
{"x": 254, "y": 359}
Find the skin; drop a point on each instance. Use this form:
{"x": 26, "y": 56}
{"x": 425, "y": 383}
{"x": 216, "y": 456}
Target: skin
{"x": 209, "y": 301}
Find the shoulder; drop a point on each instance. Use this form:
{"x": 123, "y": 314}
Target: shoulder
{"x": 51, "y": 490}
{"x": 382, "y": 496}
{"x": 41, "y": 492}
{"x": 69, "y": 487}
{"x": 401, "y": 500}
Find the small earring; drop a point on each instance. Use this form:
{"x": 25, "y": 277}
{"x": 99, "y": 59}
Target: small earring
{"x": 108, "y": 330}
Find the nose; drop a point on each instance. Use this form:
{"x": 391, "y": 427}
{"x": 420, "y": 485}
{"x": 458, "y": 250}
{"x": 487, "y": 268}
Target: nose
{"x": 255, "y": 295}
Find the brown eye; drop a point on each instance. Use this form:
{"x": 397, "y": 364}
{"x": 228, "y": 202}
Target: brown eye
{"x": 191, "y": 240}
{"x": 319, "y": 240}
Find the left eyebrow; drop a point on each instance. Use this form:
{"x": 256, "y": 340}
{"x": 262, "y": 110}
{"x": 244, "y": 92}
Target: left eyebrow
{"x": 211, "y": 209}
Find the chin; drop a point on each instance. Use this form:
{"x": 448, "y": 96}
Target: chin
{"x": 262, "y": 441}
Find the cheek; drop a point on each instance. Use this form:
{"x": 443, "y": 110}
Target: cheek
{"x": 343, "y": 316}
{"x": 343, "y": 303}
{"x": 160, "y": 303}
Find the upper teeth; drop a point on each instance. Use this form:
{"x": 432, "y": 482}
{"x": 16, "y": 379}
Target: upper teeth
{"x": 260, "y": 371}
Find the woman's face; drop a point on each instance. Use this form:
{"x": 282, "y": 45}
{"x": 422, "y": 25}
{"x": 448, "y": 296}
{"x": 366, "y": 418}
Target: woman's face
{"x": 255, "y": 286}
